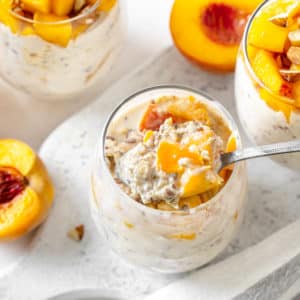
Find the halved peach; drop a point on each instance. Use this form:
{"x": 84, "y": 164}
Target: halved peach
{"x": 26, "y": 191}
{"x": 209, "y": 31}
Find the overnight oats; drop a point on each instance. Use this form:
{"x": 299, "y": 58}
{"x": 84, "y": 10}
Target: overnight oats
{"x": 56, "y": 49}
{"x": 267, "y": 81}
{"x": 156, "y": 194}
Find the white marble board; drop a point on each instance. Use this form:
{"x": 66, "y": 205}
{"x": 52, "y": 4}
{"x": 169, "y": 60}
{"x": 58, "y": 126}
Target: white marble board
{"x": 55, "y": 264}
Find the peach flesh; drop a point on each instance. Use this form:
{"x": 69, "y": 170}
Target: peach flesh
{"x": 224, "y": 24}
{"x": 12, "y": 184}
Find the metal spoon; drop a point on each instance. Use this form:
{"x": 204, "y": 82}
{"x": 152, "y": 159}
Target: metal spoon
{"x": 259, "y": 151}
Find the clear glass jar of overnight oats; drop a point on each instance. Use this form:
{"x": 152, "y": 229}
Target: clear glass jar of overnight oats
{"x": 54, "y": 49}
{"x": 267, "y": 80}
{"x": 156, "y": 194}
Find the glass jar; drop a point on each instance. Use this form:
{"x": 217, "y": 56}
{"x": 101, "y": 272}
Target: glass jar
{"x": 166, "y": 241}
{"x": 57, "y": 60}
{"x": 266, "y": 117}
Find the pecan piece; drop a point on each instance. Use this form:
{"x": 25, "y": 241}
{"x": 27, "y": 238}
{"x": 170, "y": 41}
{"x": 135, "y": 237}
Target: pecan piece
{"x": 293, "y": 55}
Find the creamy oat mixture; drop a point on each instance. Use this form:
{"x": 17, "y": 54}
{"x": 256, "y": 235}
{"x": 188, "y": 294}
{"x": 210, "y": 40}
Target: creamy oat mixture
{"x": 59, "y": 62}
{"x": 172, "y": 163}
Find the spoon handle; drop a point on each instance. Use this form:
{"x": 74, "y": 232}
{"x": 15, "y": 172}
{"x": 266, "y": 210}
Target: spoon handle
{"x": 260, "y": 151}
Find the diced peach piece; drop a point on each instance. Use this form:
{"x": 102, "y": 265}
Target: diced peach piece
{"x": 27, "y": 30}
{"x": 59, "y": 34}
{"x": 293, "y": 13}
{"x": 169, "y": 154}
{"x": 231, "y": 143}
{"x": 262, "y": 33}
{"x": 62, "y": 8}
{"x": 199, "y": 182}
{"x": 106, "y": 5}
{"x": 265, "y": 67}
{"x": 148, "y": 136}
{"x": 189, "y": 109}
{"x": 34, "y": 6}
{"x": 251, "y": 51}
{"x": 153, "y": 118}
{"x": 6, "y": 17}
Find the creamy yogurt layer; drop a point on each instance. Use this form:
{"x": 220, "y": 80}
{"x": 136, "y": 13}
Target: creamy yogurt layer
{"x": 156, "y": 195}
{"x": 49, "y": 71}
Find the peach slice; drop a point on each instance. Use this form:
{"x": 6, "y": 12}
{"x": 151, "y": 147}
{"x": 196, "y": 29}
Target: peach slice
{"x": 59, "y": 34}
{"x": 33, "y": 6}
{"x": 265, "y": 67}
{"x": 6, "y": 17}
{"x": 62, "y": 8}
{"x": 180, "y": 110}
{"x": 107, "y": 5}
{"x": 209, "y": 32}
{"x": 262, "y": 32}
{"x": 26, "y": 191}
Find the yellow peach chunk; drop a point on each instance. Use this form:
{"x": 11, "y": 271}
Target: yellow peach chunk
{"x": 62, "y": 8}
{"x": 106, "y": 5}
{"x": 148, "y": 136}
{"x": 59, "y": 34}
{"x": 266, "y": 68}
{"x": 262, "y": 33}
{"x": 199, "y": 182}
{"x": 6, "y": 17}
{"x": 169, "y": 154}
{"x": 34, "y": 6}
{"x": 189, "y": 109}
{"x": 27, "y": 30}
{"x": 231, "y": 143}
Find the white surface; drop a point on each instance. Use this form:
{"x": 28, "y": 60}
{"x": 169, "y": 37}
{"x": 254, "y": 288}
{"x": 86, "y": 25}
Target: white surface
{"x": 31, "y": 121}
{"x": 223, "y": 280}
{"x": 57, "y": 264}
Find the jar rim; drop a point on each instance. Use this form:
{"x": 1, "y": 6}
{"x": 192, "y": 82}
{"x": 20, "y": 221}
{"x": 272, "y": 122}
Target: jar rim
{"x": 217, "y": 105}
{"x": 79, "y": 17}
{"x": 244, "y": 47}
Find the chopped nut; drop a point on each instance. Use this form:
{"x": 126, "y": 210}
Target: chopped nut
{"x": 290, "y": 75}
{"x": 294, "y": 37}
{"x": 280, "y": 19}
{"x": 293, "y": 55}
{"x": 76, "y": 233}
